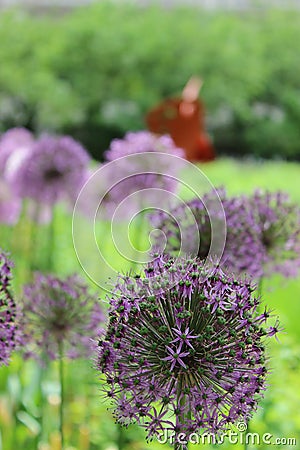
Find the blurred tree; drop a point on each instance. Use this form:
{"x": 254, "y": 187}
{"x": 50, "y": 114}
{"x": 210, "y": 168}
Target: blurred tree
{"x": 96, "y": 71}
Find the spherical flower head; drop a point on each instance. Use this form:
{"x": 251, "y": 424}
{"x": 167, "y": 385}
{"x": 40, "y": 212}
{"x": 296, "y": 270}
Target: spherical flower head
{"x": 59, "y": 315}
{"x": 15, "y": 144}
{"x": 142, "y": 173}
{"x": 184, "y": 348}
{"x": 242, "y": 251}
{"x": 142, "y": 142}
{"x": 55, "y": 170}
{"x": 277, "y": 222}
{"x": 8, "y": 328}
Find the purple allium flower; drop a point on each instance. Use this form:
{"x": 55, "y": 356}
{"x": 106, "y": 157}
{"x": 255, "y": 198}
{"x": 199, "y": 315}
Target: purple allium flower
{"x": 59, "y": 312}
{"x": 142, "y": 142}
{"x": 8, "y": 328}
{"x": 184, "y": 348}
{"x": 143, "y": 172}
{"x": 277, "y": 225}
{"x": 15, "y": 145}
{"x": 54, "y": 170}
{"x": 10, "y": 205}
{"x": 242, "y": 251}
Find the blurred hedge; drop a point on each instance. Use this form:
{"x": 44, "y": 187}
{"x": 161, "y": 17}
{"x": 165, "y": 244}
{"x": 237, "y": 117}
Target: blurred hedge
{"x": 95, "y": 72}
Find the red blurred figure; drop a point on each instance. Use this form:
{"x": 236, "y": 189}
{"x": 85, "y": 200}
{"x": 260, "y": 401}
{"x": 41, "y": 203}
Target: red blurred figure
{"x": 183, "y": 119}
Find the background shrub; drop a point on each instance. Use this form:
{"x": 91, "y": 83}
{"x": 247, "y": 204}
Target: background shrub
{"x": 95, "y": 72}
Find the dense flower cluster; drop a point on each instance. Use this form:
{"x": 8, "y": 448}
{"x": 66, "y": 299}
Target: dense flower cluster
{"x": 54, "y": 170}
{"x": 59, "y": 315}
{"x": 262, "y": 232}
{"x": 44, "y": 170}
{"x": 8, "y": 327}
{"x": 243, "y": 252}
{"x": 184, "y": 348}
{"x": 277, "y": 221}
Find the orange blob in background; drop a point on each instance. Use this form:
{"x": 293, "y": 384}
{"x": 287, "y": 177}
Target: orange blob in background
{"x": 183, "y": 119}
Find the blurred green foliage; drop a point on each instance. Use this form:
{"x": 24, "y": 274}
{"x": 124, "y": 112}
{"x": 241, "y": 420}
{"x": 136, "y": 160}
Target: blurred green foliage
{"x": 95, "y": 72}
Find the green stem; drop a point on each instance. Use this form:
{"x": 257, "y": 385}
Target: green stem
{"x": 140, "y": 224}
{"x": 61, "y": 407}
{"x": 41, "y": 374}
{"x": 120, "y": 437}
{"x": 260, "y": 286}
{"x": 259, "y": 293}
{"x": 51, "y": 242}
{"x": 6, "y": 232}
{"x": 181, "y": 417}
{"x": 137, "y": 238}
{"x": 33, "y": 241}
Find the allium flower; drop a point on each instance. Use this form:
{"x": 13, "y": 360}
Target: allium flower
{"x": 15, "y": 145}
{"x": 54, "y": 170}
{"x": 8, "y": 328}
{"x": 184, "y": 349}
{"x": 277, "y": 225}
{"x": 59, "y": 313}
{"x": 142, "y": 142}
{"x": 243, "y": 251}
{"x": 143, "y": 172}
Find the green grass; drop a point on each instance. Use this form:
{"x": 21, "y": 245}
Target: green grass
{"x": 243, "y": 176}
{"x": 27, "y": 394}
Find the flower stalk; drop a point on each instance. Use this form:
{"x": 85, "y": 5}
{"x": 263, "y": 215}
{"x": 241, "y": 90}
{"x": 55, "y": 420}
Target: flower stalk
{"x": 62, "y": 394}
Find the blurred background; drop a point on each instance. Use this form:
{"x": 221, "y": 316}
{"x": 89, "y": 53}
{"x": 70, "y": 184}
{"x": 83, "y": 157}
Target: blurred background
{"x": 92, "y": 70}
